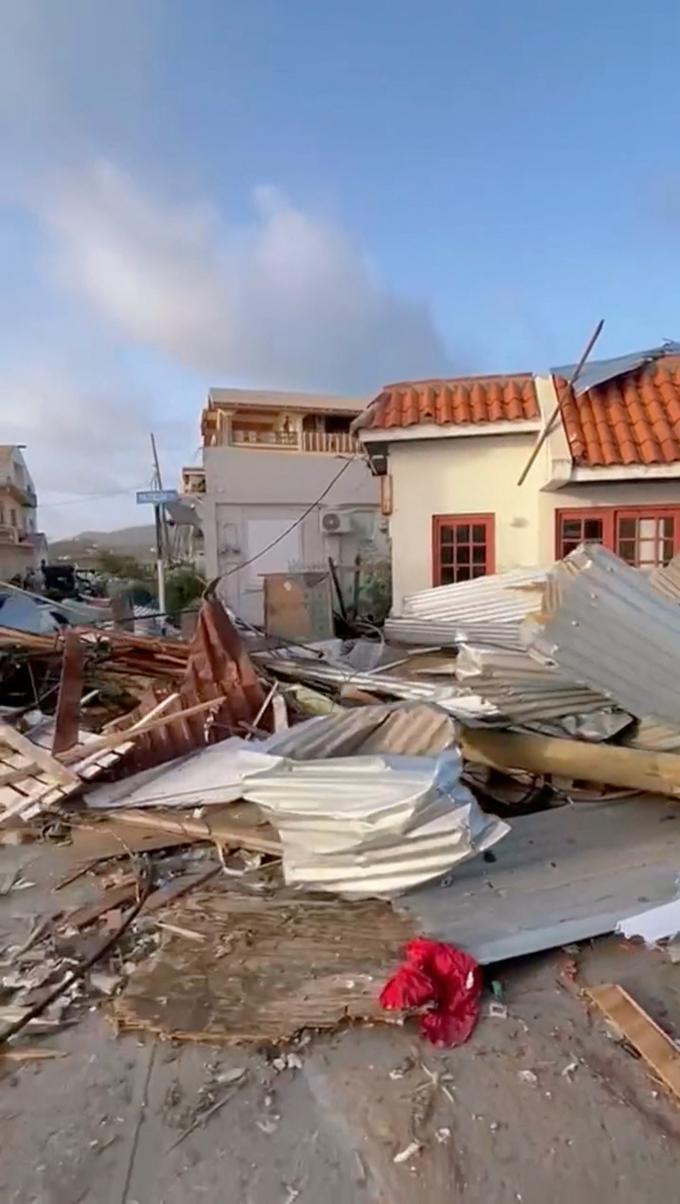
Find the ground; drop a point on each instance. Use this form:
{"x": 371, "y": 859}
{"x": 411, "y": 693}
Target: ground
{"x": 587, "y": 1122}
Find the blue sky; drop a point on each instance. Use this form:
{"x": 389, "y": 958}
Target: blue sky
{"x": 311, "y": 195}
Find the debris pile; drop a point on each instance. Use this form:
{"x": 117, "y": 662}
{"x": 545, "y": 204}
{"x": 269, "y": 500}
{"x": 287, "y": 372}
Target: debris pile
{"x": 256, "y": 829}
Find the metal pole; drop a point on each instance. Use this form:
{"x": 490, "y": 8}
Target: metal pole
{"x": 550, "y": 424}
{"x": 160, "y": 560}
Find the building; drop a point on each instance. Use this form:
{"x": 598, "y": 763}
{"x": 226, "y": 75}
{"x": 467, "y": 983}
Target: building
{"x": 22, "y": 546}
{"x": 453, "y": 453}
{"x": 284, "y": 485}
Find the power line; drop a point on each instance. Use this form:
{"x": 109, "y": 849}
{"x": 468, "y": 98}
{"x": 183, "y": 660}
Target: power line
{"x": 85, "y": 497}
{"x": 244, "y": 564}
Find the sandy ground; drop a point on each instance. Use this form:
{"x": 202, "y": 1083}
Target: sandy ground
{"x": 99, "y": 1124}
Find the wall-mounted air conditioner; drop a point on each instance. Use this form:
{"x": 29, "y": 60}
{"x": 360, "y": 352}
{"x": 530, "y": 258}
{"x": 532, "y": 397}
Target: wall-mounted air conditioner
{"x": 337, "y": 522}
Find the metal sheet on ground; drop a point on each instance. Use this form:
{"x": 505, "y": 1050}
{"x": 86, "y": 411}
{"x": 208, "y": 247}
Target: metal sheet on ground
{"x": 558, "y": 876}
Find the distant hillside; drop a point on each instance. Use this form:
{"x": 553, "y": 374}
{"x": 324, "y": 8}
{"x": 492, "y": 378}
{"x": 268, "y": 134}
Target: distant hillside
{"x": 83, "y": 549}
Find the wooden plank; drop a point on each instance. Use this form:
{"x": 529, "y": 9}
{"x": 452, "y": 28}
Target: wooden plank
{"x": 9, "y": 776}
{"x": 219, "y": 830}
{"x": 116, "y": 897}
{"x": 131, "y": 733}
{"x": 651, "y": 1042}
{"x": 608, "y": 764}
{"x": 15, "y": 740}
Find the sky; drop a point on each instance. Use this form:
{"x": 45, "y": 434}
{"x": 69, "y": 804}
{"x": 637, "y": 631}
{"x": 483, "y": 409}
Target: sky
{"x": 314, "y": 196}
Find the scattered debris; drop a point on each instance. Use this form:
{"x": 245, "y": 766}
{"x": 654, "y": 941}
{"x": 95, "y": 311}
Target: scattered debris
{"x": 527, "y": 1076}
{"x": 409, "y": 1151}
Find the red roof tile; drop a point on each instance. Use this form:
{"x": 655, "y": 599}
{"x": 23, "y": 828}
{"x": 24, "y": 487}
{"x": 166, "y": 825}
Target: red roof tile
{"x": 459, "y": 402}
{"x": 633, "y": 419}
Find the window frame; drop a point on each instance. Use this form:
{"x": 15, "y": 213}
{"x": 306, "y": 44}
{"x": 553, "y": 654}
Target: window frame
{"x": 609, "y": 516}
{"x": 488, "y": 521}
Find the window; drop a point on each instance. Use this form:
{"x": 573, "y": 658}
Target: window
{"x": 12, "y": 517}
{"x": 463, "y": 547}
{"x": 645, "y": 537}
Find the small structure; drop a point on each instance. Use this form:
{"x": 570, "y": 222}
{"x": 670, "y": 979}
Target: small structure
{"x": 22, "y": 546}
{"x": 284, "y": 484}
{"x": 452, "y": 453}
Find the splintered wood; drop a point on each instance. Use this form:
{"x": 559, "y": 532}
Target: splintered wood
{"x": 30, "y": 779}
{"x": 262, "y": 969}
{"x": 651, "y": 1042}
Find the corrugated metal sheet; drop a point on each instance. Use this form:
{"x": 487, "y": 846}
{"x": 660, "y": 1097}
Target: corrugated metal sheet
{"x": 559, "y": 876}
{"x": 364, "y": 825}
{"x": 609, "y": 629}
{"x": 654, "y": 735}
{"x": 500, "y": 597}
{"x": 666, "y": 580}
{"x": 467, "y": 708}
{"x": 522, "y": 689}
{"x": 405, "y": 729}
{"x": 434, "y": 633}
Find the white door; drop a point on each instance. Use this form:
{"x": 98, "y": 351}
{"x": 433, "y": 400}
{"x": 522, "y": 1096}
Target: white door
{"x": 271, "y": 547}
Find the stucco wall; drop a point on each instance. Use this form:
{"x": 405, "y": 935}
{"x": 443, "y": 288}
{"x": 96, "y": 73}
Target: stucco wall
{"x": 478, "y": 475}
{"x": 471, "y": 475}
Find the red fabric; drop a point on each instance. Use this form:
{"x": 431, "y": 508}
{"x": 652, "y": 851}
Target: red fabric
{"x": 443, "y": 976}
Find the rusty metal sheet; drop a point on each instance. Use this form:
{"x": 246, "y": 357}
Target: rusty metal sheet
{"x": 67, "y": 715}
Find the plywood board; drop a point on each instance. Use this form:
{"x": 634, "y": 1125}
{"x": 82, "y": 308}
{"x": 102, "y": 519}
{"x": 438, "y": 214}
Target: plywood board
{"x": 266, "y": 968}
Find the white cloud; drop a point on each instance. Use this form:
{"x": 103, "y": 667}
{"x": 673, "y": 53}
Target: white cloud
{"x": 286, "y": 301}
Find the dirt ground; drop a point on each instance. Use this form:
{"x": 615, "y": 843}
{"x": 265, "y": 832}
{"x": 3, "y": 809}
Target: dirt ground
{"x": 587, "y": 1123}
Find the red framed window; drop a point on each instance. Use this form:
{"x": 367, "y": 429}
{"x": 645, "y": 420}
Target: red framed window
{"x": 643, "y": 536}
{"x": 463, "y": 547}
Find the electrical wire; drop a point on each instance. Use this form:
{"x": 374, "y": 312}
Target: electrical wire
{"x": 244, "y": 564}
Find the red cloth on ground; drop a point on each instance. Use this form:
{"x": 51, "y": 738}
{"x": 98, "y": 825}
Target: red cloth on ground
{"x": 443, "y": 976}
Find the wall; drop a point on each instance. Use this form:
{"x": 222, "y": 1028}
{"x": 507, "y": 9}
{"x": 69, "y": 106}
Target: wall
{"x": 15, "y": 558}
{"x": 470, "y": 475}
{"x": 253, "y": 495}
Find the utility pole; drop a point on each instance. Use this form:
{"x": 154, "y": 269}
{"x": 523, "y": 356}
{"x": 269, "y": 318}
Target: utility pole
{"x": 160, "y": 551}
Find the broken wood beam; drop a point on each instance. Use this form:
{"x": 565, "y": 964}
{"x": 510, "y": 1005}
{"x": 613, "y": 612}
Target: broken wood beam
{"x": 219, "y": 831}
{"x": 84, "y": 753}
{"x": 606, "y": 764}
{"x": 651, "y": 1042}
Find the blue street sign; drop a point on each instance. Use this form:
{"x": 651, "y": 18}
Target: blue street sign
{"x": 156, "y": 497}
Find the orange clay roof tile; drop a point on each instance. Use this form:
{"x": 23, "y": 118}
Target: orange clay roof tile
{"x": 633, "y": 419}
{"x": 473, "y": 400}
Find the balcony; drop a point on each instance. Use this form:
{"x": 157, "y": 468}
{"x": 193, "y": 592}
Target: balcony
{"x": 8, "y": 534}
{"x": 265, "y": 438}
{"x": 332, "y": 442}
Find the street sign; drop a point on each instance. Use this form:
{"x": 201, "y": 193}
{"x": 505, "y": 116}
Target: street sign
{"x": 156, "y": 497}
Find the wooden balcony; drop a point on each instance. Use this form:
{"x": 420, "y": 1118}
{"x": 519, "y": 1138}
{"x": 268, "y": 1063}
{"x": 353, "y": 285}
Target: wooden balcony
{"x": 306, "y": 441}
{"x": 279, "y": 439}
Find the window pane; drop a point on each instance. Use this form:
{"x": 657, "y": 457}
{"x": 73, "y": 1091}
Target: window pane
{"x": 667, "y": 550}
{"x": 592, "y": 528}
{"x": 463, "y": 533}
{"x": 571, "y": 529}
{"x": 668, "y": 527}
{"x": 446, "y": 535}
{"x": 463, "y": 554}
{"x": 478, "y": 570}
{"x": 479, "y": 533}
{"x": 447, "y": 554}
{"x": 446, "y": 576}
{"x": 627, "y": 550}
{"x": 479, "y": 555}
{"x": 463, "y": 574}
{"x": 568, "y": 545}
{"x": 627, "y": 528}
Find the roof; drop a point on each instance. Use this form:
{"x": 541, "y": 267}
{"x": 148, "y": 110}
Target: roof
{"x": 273, "y": 399}
{"x": 632, "y": 419}
{"x": 461, "y": 401}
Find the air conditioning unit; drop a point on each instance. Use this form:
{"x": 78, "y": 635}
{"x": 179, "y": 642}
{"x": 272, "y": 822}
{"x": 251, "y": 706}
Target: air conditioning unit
{"x": 337, "y": 522}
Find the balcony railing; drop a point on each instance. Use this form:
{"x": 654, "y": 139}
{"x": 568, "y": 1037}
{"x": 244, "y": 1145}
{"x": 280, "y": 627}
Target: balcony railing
{"x": 334, "y": 443}
{"x": 265, "y": 438}
{"x": 329, "y": 441}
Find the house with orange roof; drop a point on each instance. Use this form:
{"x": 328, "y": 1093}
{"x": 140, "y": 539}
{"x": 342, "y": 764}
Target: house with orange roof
{"x": 451, "y": 455}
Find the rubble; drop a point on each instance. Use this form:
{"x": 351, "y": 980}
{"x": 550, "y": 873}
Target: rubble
{"x": 249, "y": 871}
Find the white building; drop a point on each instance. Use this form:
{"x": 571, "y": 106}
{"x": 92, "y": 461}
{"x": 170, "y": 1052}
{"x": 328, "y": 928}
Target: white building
{"x": 284, "y": 485}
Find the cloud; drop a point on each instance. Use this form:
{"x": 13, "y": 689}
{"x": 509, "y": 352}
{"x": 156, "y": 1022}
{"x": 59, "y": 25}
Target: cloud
{"x": 287, "y": 300}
